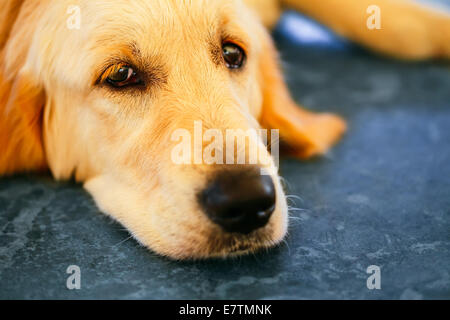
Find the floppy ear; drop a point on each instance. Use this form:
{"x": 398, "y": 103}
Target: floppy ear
{"x": 305, "y": 133}
{"x": 21, "y": 103}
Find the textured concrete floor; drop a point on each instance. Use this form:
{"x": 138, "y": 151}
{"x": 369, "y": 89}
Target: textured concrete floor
{"x": 382, "y": 197}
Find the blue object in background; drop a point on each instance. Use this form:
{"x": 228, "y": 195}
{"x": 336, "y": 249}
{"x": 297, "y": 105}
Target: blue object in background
{"x": 304, "y": 31}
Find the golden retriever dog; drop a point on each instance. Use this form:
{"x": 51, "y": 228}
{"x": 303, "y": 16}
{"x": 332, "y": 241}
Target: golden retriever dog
{"x": 100, "y": 103}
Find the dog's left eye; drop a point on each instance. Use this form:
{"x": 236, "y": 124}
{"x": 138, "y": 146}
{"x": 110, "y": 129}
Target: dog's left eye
{"x": 122, "y": 75}
{"x": 234, "y": 55}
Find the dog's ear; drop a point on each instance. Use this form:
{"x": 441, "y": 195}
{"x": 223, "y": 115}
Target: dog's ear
{"x": 21, "y": 100}
{"x": 304, "y": 133}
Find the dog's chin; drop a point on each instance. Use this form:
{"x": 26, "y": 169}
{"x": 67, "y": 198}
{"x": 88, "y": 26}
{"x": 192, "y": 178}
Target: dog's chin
{"x": 235, "y": 245}
{"x": 220, "y": 245}
{"x": 214, "y": 243}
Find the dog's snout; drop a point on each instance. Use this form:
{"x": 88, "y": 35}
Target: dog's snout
{"x": 239, "y": 201}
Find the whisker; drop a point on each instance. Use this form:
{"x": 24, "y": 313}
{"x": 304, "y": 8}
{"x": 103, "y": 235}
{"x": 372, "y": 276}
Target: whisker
{"x": 297, "y": 209}
{"x": 287, "y": 245}
{"x": 122, "y": 241}
{"x": 296, "y": 197}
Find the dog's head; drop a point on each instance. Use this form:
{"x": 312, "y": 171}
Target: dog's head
{"x": 134, "y": 98}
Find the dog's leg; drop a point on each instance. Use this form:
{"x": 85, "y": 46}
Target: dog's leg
{"x": 305, "y": 133}
{"x": 408, "y": 30}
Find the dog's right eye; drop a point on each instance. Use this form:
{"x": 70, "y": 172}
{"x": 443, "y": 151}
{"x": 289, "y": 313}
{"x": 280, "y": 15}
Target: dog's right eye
{"x": 233, "y": 55}
{"x": 121, "y": 75}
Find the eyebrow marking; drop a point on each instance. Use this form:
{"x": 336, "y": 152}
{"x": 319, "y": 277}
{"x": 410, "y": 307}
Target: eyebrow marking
{"x": 215, "y": 50}
{"x": 215, "y": 40}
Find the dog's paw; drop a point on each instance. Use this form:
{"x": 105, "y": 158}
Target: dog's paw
{"x": 313, "y": 135}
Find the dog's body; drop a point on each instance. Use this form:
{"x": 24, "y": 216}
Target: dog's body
{"x": 65, "y": 107}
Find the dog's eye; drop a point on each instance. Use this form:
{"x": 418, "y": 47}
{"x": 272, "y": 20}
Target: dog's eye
{"x": 122, "y": 75}
{"x": 234, "y": 55}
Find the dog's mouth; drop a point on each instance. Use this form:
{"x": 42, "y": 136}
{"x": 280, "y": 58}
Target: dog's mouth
{"x": 222, "y": 244}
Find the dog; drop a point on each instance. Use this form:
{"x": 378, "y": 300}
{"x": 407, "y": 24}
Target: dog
{"x": 99, "y": 103}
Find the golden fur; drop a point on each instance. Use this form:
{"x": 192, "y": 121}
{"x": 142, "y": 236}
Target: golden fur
{"x": 55, "y": 114}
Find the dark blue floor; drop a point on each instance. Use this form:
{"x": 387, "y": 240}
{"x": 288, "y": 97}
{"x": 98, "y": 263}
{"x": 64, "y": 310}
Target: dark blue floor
{"x": 381, "y": 197}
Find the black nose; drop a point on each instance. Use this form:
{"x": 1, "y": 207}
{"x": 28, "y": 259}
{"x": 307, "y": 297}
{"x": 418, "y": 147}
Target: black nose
{"x": 239, "y": 200}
